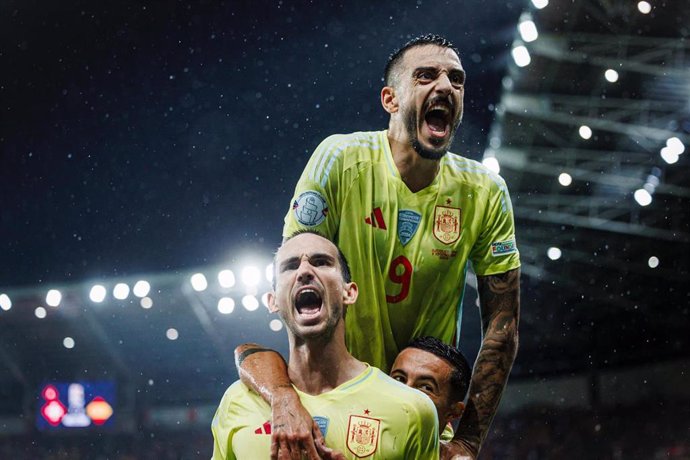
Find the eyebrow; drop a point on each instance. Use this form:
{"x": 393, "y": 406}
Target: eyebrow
{"x": 312, "y": 257}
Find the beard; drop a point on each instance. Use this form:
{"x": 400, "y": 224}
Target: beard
{"x": 441, "y": 146}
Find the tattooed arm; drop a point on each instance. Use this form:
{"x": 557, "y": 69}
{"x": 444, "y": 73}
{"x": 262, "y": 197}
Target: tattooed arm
{"x": 499, "y": 297}
{"x": 294, "y": 431}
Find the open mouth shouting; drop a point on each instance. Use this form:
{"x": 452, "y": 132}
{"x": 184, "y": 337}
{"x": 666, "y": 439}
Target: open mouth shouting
{"x": 308, "y": 303}
{"x": 438, "y": 119}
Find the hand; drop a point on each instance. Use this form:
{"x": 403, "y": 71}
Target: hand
{"x": 453, "y": 450}
{"x": 294, "y": 434}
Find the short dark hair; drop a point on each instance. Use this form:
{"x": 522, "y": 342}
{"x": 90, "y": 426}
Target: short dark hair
{"x": 460, "y": 375}
{"x": 396, "y": 57}
{"x": 344, "y": 266}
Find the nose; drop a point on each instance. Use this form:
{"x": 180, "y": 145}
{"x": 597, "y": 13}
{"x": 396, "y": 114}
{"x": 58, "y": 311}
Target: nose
{"x": 304, "y": 272}
{"x": 443, "y": 84}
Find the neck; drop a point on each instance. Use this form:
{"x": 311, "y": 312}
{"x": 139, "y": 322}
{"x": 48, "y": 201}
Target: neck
{"x": 416, "y": 172}
{"x": 316, "y": 367}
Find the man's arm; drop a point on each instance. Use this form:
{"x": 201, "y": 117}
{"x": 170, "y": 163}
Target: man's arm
{"x": 293, "y": 429}
{"x": 499, "y": 297}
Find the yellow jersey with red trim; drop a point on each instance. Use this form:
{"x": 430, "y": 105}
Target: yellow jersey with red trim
{"x": 408, "y": 252}
{"x": 370, "y": 416}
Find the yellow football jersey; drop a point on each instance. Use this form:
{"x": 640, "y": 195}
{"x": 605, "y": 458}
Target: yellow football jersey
{"x": 370, "y": 416}
{"x": 408, "y": 252}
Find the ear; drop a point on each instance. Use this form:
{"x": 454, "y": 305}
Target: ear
{"x": 272, "y": 302}
{"x": 350, "y": 293}
{"x": 455, "y": 411}
{"x": 388, "y": 99}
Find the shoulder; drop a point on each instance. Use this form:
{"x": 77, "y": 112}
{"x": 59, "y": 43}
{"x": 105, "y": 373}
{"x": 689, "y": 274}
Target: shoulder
{"x": 408, "y": 398}
{"x": 466, "y": 169}
{"x": 345, "y": 151}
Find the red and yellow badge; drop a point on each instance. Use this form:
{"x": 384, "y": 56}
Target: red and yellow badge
{"x": 447, "y": 224}
{"x": 363, "y": 435}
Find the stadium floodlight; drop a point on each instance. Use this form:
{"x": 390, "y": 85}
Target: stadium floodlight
{"x": 643, "y": 197}
{"x": 492, "y": 163}
{"x": 146, "y": 303}
{"x": 653, "y": 262}
{"x": 269, "y": 273}
{"x": 540, "y": 4}
{"x": 97, "y": 293}
{"x": 611, "y": 76}
{"x": 172, "y": 334}
{"x": 226, "y": 278}
{"x": 141, "y": 288}
{"x": 668, "y": 155}
{"x": 5, "y": 302}
{"x": 53, "y": 298}
{"x": 528, "y": 30}
{"x": 40, "y": 312}
{"x": 68, "y": 343}
{"x": 275, "y": 325}
{"x": 585, "y": 132}
{"x": 199, "y": 282}
{"x": 521, "y": 56}
{"x": 675, "y": 145}
{"x": 251, "y": 276}
{"x": 121, "y": 291}
{"x": 644, "y": 7}
{"x": 226, "y": 305}
{"x": 565, "y": 179}
{"x": 250, "y": 302}
{"x": 554, "y": 253}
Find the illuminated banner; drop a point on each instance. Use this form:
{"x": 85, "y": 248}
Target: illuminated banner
{"x": 76, "y": 405}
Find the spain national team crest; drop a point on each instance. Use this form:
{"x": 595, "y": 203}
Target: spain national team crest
{"x": 363, "y": 435}
{"x": 408, "y": 222}
{"x": 447, "y": 224}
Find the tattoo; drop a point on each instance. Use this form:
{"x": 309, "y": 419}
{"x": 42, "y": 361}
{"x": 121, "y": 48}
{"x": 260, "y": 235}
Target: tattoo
{"x": 500, "y": 308}
{"x": 250, "y": 351}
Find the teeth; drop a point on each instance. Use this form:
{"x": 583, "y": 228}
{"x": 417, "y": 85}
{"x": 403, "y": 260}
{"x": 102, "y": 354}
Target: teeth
{"x": 443, "y": 108}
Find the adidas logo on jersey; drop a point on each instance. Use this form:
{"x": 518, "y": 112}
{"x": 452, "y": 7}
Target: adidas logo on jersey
{"x": 264, "y": 429}
{"x": 376, "y": 219}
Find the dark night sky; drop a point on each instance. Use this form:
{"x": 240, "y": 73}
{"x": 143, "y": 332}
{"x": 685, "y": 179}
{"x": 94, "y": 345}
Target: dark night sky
{"x": 142, "y": 137}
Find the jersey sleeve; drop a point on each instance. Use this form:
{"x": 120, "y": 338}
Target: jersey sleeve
{"x": 315, "y": 204}
{"x": 496, "y": 249}
{"x": 223, "y": 428}
{"x": 423, "y": 441}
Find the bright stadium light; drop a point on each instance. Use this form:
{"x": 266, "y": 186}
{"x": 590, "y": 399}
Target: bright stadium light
{"x": 226, "y": 305}
{"x": 521, "y": 56}
{"x": 269, "y": 273}
{"x": 172, "y": 334}
{"x": 40, "y": 312}
{"x": 611, "y": 76}
{"x": 250, "y": 302}
{"x": 644, "y": 7}
{"x": 492, "y": 163}
{"x": 554, "y": 253}
{"x": 68, "y": 343}
{"x": 226, "y": 278}
{"x": 528, "y": 31}
{"x": 141, "y": 288}
{"x": 251, "y": 276}
{"x": 669, "y": 156}
{"x": 585, "y": 132}
{"x": 653, "y": 262}
{"x": 565, "y": 179}
{"x": 540, "y": 4}
{"x": 146, "y": 303}
{"x": 199, "y": 282}
{"x": 5, "y": 302}
{"x": 97, "y": 293}
{"x": 275, "y": 325}
{"x": 675, "y": 145}
{"x": 264, "y": 299}
{"x": 121, "y": 291}
{"x": 53, "y": 298}
{"x": 643, "y": 197}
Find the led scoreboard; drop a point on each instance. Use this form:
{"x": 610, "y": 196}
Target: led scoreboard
{"x": 74, "y": 405}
